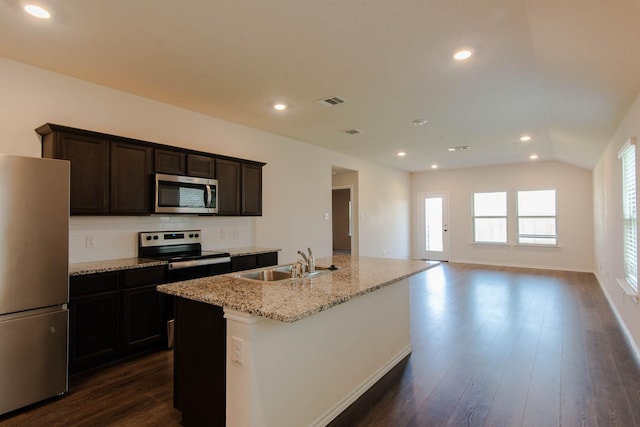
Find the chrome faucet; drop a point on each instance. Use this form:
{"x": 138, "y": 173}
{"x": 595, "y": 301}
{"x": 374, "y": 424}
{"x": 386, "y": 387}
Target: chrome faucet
{"x": 312, "y": 262}
{"x": 309, "y": 264}
{"x": 297, "y": 270}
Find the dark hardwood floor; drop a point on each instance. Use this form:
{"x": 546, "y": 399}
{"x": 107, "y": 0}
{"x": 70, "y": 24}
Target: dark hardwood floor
{"x": 507, "y": 347}
{"x": 492, "y": 346}
{"x": 135, "y": 393}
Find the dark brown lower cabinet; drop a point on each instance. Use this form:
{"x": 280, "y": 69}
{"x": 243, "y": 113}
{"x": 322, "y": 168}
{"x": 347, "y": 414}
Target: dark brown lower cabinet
{"x": 199, "y": 377}
{"x": 142, "y": 318}
{"x": 114, "y": 315}
{"x": 93, "y": 330}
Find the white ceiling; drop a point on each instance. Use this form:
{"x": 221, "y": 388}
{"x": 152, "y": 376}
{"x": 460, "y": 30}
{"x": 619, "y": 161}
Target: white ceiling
{"x": 564, "y": 71}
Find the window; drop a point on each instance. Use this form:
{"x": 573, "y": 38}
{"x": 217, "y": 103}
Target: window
{"x": 537, "y": 217}
{"x": 490, "y": 217}
{"x": 433, "y": 224}
{"x": 628, "y": 157}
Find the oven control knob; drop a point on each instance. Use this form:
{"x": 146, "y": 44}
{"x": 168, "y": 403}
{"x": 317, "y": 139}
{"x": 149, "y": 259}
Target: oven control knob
{"x": 197, "y": 235}
{"x": 148, "y": 237}
{"x": 155, "y": 237}
{"x": 191, "y": 236}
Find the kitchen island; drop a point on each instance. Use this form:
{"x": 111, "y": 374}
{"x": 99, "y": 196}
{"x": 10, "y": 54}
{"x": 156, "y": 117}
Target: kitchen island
{"x": 289, "y": 353}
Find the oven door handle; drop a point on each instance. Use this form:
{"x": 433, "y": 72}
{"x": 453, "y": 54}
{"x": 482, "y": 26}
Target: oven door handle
{"x": 198, "y": 262}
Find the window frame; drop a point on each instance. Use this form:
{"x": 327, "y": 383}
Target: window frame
{"x": 628, "y": 154}
{"x": 474, "y": 217}
{"x": 520, "y": 235}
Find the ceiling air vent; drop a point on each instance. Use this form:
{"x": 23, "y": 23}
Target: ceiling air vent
{"x": 334, "y": 100}
{"x": 353, "y": 131}
{"x": 459, "y": 148}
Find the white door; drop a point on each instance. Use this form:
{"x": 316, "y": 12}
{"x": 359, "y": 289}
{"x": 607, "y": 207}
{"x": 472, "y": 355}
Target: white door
{"x": 434, "y": 226}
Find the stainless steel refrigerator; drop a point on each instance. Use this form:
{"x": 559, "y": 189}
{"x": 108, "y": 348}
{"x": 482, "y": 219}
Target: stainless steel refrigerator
{"x": 34, "y": 279}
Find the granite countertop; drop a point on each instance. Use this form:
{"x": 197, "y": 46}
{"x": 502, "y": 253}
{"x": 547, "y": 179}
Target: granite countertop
{"x": 80, "y": 268}
{"x": 294, "y": 299}
{"x": 249, "y": 250}
{"x": 92, "y": 267}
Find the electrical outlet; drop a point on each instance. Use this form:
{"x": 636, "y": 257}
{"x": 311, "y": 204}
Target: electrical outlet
{"x": 90, "y": 241}
{"x": 237, "y": 350}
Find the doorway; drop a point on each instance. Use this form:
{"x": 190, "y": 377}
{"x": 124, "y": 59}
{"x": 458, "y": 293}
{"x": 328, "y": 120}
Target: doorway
{"x": 342, "y": 220}
{"x": 344, "y": 211}
{"x": 434, "y": 210}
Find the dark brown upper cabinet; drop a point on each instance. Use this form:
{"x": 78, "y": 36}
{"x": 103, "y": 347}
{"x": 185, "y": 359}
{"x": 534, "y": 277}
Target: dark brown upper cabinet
{"x": 112, "y": 175}
{"x": 251, "y": 189}
{"x": 130, "y": 182}
{"x": 201, "y": 166}
{"x": 181, "y": 163}
{"x": 169, "y": 161}
{"x": 239, "y": 188}
{"x": 229, "y": 176}
{"x": 107, "y": 176}
{"x": 89, "y": 157}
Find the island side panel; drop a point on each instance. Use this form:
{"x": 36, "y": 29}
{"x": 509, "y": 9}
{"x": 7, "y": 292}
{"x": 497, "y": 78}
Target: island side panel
{"x": 199, "y": 363}
{"x": 307, "y": 372}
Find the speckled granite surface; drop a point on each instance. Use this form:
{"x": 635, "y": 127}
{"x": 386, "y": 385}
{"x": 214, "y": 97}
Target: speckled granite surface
{"x": 80, "y": 268}
{"x": 295, "y": 299}
{"x": 249, "y": 250}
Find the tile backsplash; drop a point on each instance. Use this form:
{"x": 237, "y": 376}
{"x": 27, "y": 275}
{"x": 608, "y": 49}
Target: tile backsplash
{"x": 111, "y": 237}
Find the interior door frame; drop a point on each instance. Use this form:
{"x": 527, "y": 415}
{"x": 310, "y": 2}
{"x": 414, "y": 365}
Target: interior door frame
{"x": 423, "y": 254}
{"x": 352, "y": 226}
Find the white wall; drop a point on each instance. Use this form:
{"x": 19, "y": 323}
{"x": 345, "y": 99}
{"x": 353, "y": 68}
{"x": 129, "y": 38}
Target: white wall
{"x": 296, "y": 179}
{"x": 574, "y": 213}
{"x": 607, "y": 195}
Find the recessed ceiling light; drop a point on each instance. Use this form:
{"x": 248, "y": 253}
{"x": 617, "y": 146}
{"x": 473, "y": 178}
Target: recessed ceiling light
{"x": 525, "y": 138}
{"x": 533, "y": 156}
{"x": 280, "y": 107}
{"x": 419, "y": 122}
{"x": 37, "y": 11}
{"x": 434, "y": 166}
{"x": 462, "y": 54}
{"x": 401, "y": 154}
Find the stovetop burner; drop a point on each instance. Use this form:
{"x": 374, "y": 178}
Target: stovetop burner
{"x": 175, "y": 246}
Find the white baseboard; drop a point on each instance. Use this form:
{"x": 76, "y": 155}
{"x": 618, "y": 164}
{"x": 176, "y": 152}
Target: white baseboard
{"x": 538, "y": 267}
{"x": 361, "y": 389}
{"x": 623, "y": 325}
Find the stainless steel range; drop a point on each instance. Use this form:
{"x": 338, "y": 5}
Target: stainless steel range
{"x": 186, "y": 260}
{"x": 183, "y": 251}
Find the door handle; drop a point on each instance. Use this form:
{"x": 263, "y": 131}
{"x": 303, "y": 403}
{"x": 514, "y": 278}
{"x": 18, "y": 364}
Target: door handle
{"x": 207, "y": 197}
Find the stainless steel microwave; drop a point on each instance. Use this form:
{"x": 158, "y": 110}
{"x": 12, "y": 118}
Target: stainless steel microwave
{"x": 185, "y": 194}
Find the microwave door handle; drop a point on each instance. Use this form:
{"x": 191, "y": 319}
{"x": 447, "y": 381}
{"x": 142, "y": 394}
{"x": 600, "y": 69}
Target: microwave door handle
{"x": 207, "y": 197}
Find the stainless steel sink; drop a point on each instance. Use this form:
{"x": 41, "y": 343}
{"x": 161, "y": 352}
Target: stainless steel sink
{"x": 275, "y": 274}
{"x": 265, "y": 275}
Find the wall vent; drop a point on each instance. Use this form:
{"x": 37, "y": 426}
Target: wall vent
{"x": 459, "y": 148}
{"x": 353, "y": 131}
{"x": 331, "y": 101}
